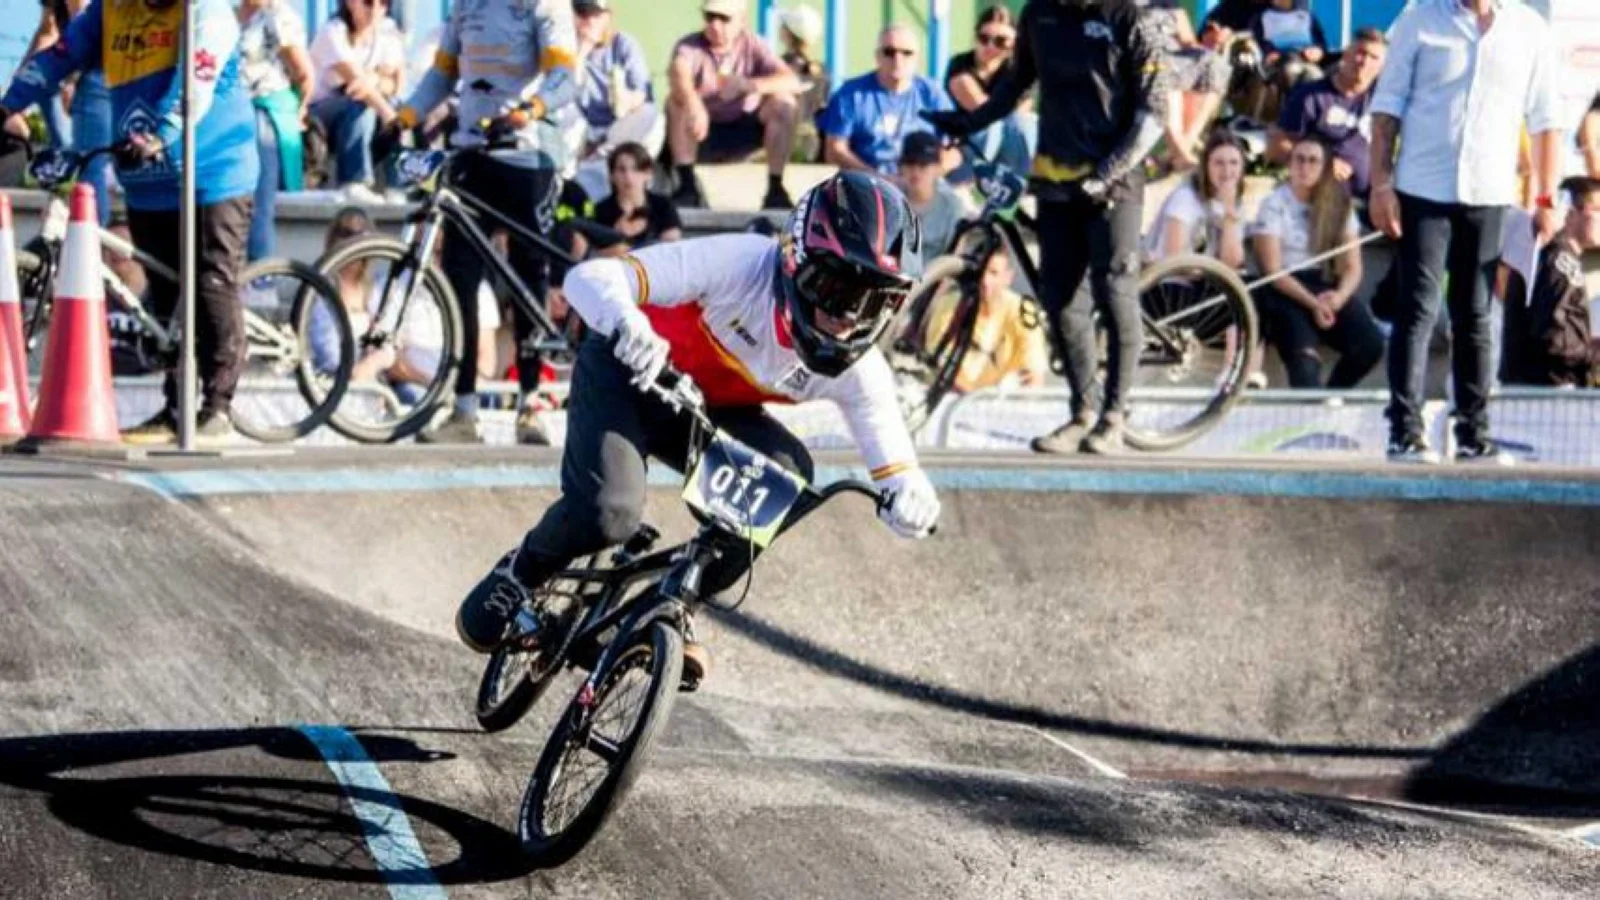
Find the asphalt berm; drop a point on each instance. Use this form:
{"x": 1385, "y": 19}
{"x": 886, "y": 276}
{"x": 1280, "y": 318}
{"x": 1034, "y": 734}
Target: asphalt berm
{"x": 237, "y": 678}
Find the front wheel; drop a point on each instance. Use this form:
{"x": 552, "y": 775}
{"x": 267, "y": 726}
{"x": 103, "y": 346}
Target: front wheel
{"x": 600, "y": 744}
{"x": 1200, "y": 337}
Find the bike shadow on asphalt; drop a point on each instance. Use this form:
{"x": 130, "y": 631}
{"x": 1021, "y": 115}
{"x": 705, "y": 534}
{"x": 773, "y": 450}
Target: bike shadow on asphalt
{"x": 266, "y": 818}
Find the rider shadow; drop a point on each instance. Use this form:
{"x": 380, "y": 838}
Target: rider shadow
{"x": 272, "y": 822}
{"x": 1532, "y": 751}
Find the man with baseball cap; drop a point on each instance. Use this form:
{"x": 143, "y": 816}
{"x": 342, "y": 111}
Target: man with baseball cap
{"x": 730, "y": 95}
{"x": 939, "y": 207}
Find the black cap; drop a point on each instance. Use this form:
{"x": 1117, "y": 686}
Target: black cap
{"x": 591, "y": 6}
{"x": 921, "y": 148}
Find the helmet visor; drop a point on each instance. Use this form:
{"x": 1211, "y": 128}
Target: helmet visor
{"x": 847, "y": 293}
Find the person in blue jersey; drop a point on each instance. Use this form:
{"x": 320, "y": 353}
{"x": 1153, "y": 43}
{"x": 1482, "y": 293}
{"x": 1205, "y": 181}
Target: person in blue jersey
{"x": 135, "y": 43}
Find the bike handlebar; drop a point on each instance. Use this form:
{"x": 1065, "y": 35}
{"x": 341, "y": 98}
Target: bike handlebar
{"x": 53, "y": 168}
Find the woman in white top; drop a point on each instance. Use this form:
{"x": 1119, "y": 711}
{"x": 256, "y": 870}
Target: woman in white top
{"x": 1203, "y": 214}
{"x": 276, "y": 65}
{"x": 1308, "y": 215}
{"x": 360, "y": 60}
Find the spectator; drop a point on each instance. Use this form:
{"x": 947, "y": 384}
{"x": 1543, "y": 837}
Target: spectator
{"x": 1008, "y": 344}
{"x": 615, "y": 96}
{"x": 1205, "y": 214}
{"x": 730, "y": 95}
{"x": 939, "y": 207}
{"x": 53, "y": 18}
{"x": 277, "y": 70}
{"x": 1589, "y": 138}
{"x": 1290, "y": 36}
{"x": 1548, "y": 339}
{"x": 1460, "y": 80}
{"x": 1335, "y": 110}
{"x": 1309, "y": 215}
{"x": 971, "y": 75}
{"x": 868, "y": 119}
{"x": 645, "y": 217}
{"x": 360, "y": 60}
{"x": 1235, "y": 15}
{"x": 800, "y": 34}
{"x": 84, "y": 99}
{"x": 1200, "y": 79}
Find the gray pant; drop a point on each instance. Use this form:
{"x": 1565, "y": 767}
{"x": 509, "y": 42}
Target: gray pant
{"x": 611, "y": 428}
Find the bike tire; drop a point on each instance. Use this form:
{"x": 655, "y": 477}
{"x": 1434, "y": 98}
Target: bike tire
{"x": 32, "y": 286}
{"x": 935, "y": 373}
{"x": 658, "y": 648}
{"x": 386, "y": 249}
{"x": 497, "y": 709}
{"x": 322, "y": 388}
{"x": 1231, "y": 389}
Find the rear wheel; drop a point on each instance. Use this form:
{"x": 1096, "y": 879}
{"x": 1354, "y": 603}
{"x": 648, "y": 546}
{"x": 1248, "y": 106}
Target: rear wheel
{"x": 405, "y": 359}
{"x": 598, "y": 747}
{"x": 520, "y": 670}
{"x": 299, "y": 352}
{"x": 926, "y": 343}
{"x": 1200, "y": 335}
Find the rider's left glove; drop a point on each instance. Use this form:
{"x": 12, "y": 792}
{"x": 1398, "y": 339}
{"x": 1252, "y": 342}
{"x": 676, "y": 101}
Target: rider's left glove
{"x": 640, "y": 349}
{"x": 911, "y": 507}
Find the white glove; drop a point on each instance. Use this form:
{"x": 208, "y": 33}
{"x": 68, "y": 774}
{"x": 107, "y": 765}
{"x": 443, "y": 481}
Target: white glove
{"x": 640, "y": 349}
{"x": 912, "y": 507}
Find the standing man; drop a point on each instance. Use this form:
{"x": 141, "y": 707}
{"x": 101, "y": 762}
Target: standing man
{"x": 1102, "y": 109}
{"x": 1462, "y": 79}
{"x": 516, "y": 64}
{"x": 136, "y": 43}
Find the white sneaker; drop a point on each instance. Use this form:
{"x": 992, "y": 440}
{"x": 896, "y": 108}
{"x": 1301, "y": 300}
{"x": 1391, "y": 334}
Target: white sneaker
{"x": 362, "y": 194}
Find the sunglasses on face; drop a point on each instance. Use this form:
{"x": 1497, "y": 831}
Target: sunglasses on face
{"x": 714, "y": 18}
{"x": 895, "y": 52}
{"x": 997, "y": 41}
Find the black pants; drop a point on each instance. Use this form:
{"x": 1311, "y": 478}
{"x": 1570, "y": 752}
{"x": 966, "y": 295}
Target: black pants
{"x": 222, "y": 231}
{"x": 611, "y": 428}
{"x": 1291, "y": 328}
{"x": 1078, "y": 237}
{"x": 527, "y": 196}
{"x": 1465, "y": 241}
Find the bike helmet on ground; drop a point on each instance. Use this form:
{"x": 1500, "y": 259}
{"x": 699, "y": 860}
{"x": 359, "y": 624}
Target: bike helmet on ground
{"x": 850, "y": 255}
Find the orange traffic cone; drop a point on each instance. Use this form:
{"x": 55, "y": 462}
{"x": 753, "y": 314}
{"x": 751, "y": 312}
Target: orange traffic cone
{"x": 77, "y": 406}
{"x": 14, "y": 407}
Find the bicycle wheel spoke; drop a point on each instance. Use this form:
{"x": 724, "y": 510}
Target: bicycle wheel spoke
{"x": 603, "y": 747}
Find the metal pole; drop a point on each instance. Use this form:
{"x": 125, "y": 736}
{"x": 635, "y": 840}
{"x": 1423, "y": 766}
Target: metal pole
{"x": 186, "y": 231}
{"x": 1345, "y": 22}
{"x": 938, "y": 38}
{"x": 838, "y": 48}
{"x": 767, "y": 22}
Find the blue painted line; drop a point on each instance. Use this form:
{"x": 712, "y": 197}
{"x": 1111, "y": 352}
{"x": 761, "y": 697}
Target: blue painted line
{"x": 1556, "y": 491}
{"x": 390, "y": 839}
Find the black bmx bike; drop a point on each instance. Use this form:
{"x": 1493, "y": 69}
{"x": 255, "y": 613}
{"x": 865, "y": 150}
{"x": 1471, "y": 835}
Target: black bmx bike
{"x": 624, "y": 623}
{"x": 1200, "y": 325}
{"x": 412, "y": 309}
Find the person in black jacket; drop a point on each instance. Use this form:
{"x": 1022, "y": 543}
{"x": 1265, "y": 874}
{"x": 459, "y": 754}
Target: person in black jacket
{"x": 1547, "y": 338}
{"x": 1102, "y": 109}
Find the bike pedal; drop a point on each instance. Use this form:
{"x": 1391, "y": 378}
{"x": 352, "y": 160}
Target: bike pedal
{"x": 688, "y": 685}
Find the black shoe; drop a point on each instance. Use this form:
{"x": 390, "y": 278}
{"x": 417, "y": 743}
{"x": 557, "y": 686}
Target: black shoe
{"x": 161, "y": 428}
{"x": 489, "y": 607}
{"x": 1411, "y": 449}
{"x": 777, "y": 198}
{"x": 460, "y": 428}
{"x": 688, "y": 196}
{"x": 1483, "y": 452}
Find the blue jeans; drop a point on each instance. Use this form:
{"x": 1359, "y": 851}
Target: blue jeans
{"x": 263, "y": 236}
{"x": 351, "y": 125}
{"x": 91, "y": 130}
{"x": 56, "y": 124}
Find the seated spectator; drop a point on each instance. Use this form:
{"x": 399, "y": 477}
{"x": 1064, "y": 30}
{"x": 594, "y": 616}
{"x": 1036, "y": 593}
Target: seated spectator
{"x": 277, "y": 67}
{"x": 1205, "y": 214}
{"x": 1309, "y": 215}
{"x": 632, "y": 209}
{"x": 730, "y": 96}
{"x": 800, "y": 33}
{"x": 616, "y": 99}
{"x": 1235, "y": 15}
{"x": 969, "y": 78}
{"x": 360, "y": 59}
{"x": 1200, "y": 79}
{"x": 1291, "y": 39}
{"x": 868, "y": 119}
{"x": 938, "y": 206}
{"x": 1008, "y": 344}
{"x": 1589, "y": 138}
{"x": 1547, "y": 338}
{"x": 1334, "y": 110}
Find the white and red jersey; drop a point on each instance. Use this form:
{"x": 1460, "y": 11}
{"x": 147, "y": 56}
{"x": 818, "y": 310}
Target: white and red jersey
{"x": 715, "y": 301}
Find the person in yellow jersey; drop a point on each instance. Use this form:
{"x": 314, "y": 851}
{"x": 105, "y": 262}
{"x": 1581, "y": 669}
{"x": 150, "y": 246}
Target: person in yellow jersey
{"x": 1007, "y": 347}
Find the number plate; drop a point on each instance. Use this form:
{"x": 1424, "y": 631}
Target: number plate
{"x": 743, "y": 491}
{"x": 1002, "y": 187}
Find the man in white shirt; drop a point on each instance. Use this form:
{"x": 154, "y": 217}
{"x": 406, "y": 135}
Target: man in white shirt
{"x": 1462, "y": 79}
